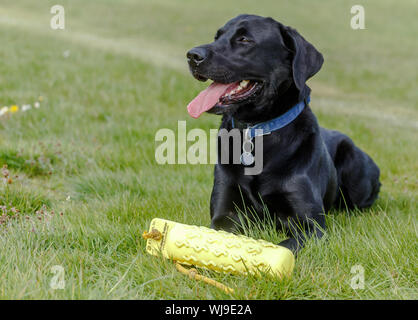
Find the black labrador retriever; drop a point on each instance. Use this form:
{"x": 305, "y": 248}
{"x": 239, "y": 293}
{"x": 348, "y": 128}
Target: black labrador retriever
{"x": 259, "y": 68}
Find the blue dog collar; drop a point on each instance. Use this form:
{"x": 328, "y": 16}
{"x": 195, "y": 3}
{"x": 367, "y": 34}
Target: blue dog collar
{"x": 276, "y": 123}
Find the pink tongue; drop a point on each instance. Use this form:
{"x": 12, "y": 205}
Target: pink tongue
{"x": 206, "y": 99}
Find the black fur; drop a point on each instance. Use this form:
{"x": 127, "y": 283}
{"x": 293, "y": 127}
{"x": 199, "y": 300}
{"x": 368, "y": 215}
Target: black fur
{"x": 305, "y": 166}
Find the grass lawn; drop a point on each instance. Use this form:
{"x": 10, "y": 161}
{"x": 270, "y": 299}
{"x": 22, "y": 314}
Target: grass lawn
{"x": 84, "y": 181}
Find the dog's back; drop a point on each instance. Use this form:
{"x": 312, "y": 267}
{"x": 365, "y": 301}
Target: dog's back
{"x": 358, "y": 175}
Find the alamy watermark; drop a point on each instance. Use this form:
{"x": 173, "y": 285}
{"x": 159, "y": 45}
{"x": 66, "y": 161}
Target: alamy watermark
{"x": 222, "y": 146}
{"x": 58, "y": 280}
{"x": 358, "y": 19}
{"x": 58, "y": 18}
{"x": 357, "y": 281}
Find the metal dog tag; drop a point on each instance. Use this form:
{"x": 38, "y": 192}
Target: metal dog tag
{"x": 247, "y": 159}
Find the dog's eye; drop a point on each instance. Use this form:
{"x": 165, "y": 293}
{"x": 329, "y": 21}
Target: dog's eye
{"x": 243, "y": 39}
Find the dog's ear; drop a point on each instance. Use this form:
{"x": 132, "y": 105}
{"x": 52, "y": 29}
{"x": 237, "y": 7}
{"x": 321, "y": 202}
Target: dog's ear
{"x": 306, "y": 59}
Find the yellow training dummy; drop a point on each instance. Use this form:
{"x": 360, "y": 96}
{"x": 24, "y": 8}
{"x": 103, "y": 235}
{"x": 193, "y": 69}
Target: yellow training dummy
{"x": 217, "y": 250}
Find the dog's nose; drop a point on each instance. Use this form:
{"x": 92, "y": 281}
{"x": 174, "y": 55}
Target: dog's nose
{"x": 196, "y": 56}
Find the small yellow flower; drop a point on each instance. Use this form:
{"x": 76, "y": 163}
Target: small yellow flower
{"x": 41, "y": 98}
{"x": 14, "y": 109}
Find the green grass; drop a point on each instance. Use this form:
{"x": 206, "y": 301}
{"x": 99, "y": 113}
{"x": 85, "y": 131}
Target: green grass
{"x": 88, "y": 151}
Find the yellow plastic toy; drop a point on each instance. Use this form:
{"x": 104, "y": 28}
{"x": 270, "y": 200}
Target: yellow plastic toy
{"x": 217, "y": 250}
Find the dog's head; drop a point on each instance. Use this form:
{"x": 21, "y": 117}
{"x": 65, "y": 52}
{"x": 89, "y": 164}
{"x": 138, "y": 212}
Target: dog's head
{"x": 253, "y": 62}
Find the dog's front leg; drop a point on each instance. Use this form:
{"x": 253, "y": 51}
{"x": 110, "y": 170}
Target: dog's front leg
{"x": 223, "y": 206}
{"x": 308, "y": 216}
{"x": 302, "y": 229}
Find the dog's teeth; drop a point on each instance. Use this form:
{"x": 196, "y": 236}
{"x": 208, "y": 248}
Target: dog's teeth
{"x": 244, "y": 83}
{"x": 240, "y": 87}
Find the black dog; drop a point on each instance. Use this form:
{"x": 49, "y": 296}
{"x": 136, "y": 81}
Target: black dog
{"x": 307, "y": 169}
